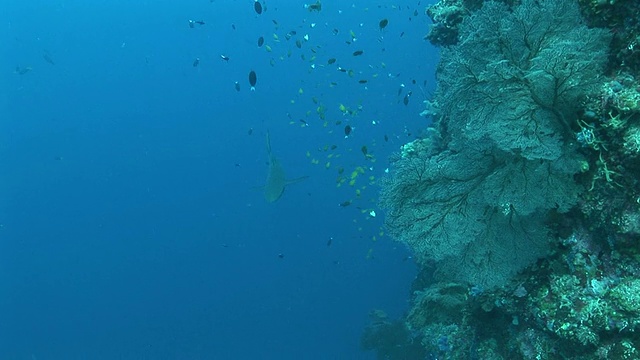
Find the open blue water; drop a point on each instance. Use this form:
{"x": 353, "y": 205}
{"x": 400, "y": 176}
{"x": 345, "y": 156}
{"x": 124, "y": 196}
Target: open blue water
{"x": 132, "y": 225}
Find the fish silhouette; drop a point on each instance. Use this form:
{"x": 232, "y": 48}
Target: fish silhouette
{"x": 276, "y": 178}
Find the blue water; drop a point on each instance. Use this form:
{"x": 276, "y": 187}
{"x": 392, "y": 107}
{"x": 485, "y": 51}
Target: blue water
{"x": 132, "y": 225}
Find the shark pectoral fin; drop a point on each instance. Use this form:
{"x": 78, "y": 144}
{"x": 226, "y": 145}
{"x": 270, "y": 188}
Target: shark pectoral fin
{"x": 296, "y": 180}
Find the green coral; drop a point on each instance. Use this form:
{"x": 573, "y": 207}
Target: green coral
{"x": 446, "y": 16}
{"x": 632, "y": 140}
{"x": 628, "y": 100}
{"x": 414, "y": 148}
{"x": 439, "y": 303}
{"x": 627, "y": 296}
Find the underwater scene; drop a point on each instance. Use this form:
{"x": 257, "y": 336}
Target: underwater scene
{"x": 272, "y": 179}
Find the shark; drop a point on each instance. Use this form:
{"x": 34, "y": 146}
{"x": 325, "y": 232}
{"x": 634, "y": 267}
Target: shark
{"x": 276, "y": 178}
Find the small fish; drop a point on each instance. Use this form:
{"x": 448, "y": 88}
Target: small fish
{"x": 402, "y": 34}
{"x": 405, "y": 101}
{"x": 347, "y": 130}
{"x": 383, "y": 23}
{"x": 317, "y": 6}
{"x": 253, "y": 78}
{"x": 257, "y": 6}
{"x": 224, "y": 57}
{"x": 331, "y": 61}
{"x": 260, "y": 41}
{"x": 250, "y": 131}
{"x": 47, "y": 57}
{"x": 237, "y": 87}
{"x": 281, "y": 256}
{"x": 363, "y": 81}
{"x": 299, "y": 44}
{"x": 329, "y": 241}
{"x": 233, "y": 26}
{"x": 304, "y": 123}
{"x": 386, "y": 138}
{"x": 358, "y": 53}
{"x": 335, "y": 32}
{"x": 196, "y": 62}
{"x": 345, "y": 203}
{"x": 192, "y": 23}
{"x": 364, "y": 150}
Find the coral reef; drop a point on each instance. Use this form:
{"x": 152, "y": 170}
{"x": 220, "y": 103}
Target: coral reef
{"x": 475, "y": 198}
{"x": 578, "y": 296}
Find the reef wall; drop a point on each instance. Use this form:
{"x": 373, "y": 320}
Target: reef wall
{"x": 524, "y": 199}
